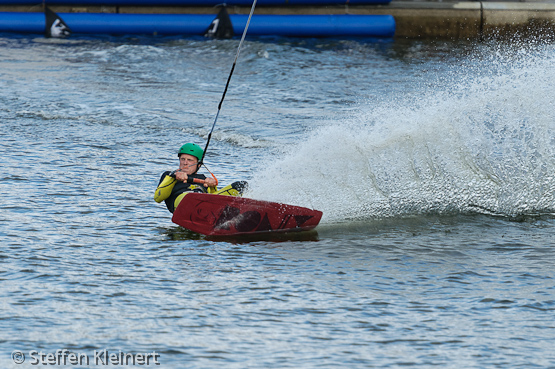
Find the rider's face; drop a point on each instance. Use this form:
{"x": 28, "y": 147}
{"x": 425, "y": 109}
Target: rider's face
{"x": 188, "y": 163}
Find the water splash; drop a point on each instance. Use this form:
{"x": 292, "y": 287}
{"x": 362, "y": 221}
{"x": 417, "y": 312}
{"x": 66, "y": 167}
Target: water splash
{"x": 483, "y": 141}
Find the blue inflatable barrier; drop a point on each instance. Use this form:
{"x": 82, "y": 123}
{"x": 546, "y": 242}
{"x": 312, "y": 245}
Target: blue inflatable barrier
{"x": 316, "y": 25}
{"x": 197, "y": 24}
{"x": 22, "y": 22}
{"x": 195, "y": 2}
{"x": 161, "y": 24}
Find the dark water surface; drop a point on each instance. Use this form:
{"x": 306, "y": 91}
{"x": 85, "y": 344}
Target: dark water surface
{"x": 433, "y": 163}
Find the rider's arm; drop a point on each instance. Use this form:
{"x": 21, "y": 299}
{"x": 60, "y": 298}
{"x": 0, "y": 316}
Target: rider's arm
{"x": 164, "y": 189}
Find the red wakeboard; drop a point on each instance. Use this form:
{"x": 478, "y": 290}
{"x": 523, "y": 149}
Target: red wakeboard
{"x": 218, "y": 215}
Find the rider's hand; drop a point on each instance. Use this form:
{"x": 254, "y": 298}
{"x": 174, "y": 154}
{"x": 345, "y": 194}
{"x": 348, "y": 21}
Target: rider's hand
{"x": 181, "y": 176}
{"x": 210, "y": 182}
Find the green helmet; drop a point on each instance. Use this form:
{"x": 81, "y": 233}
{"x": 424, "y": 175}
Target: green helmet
{"x": 191, "y": 149}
